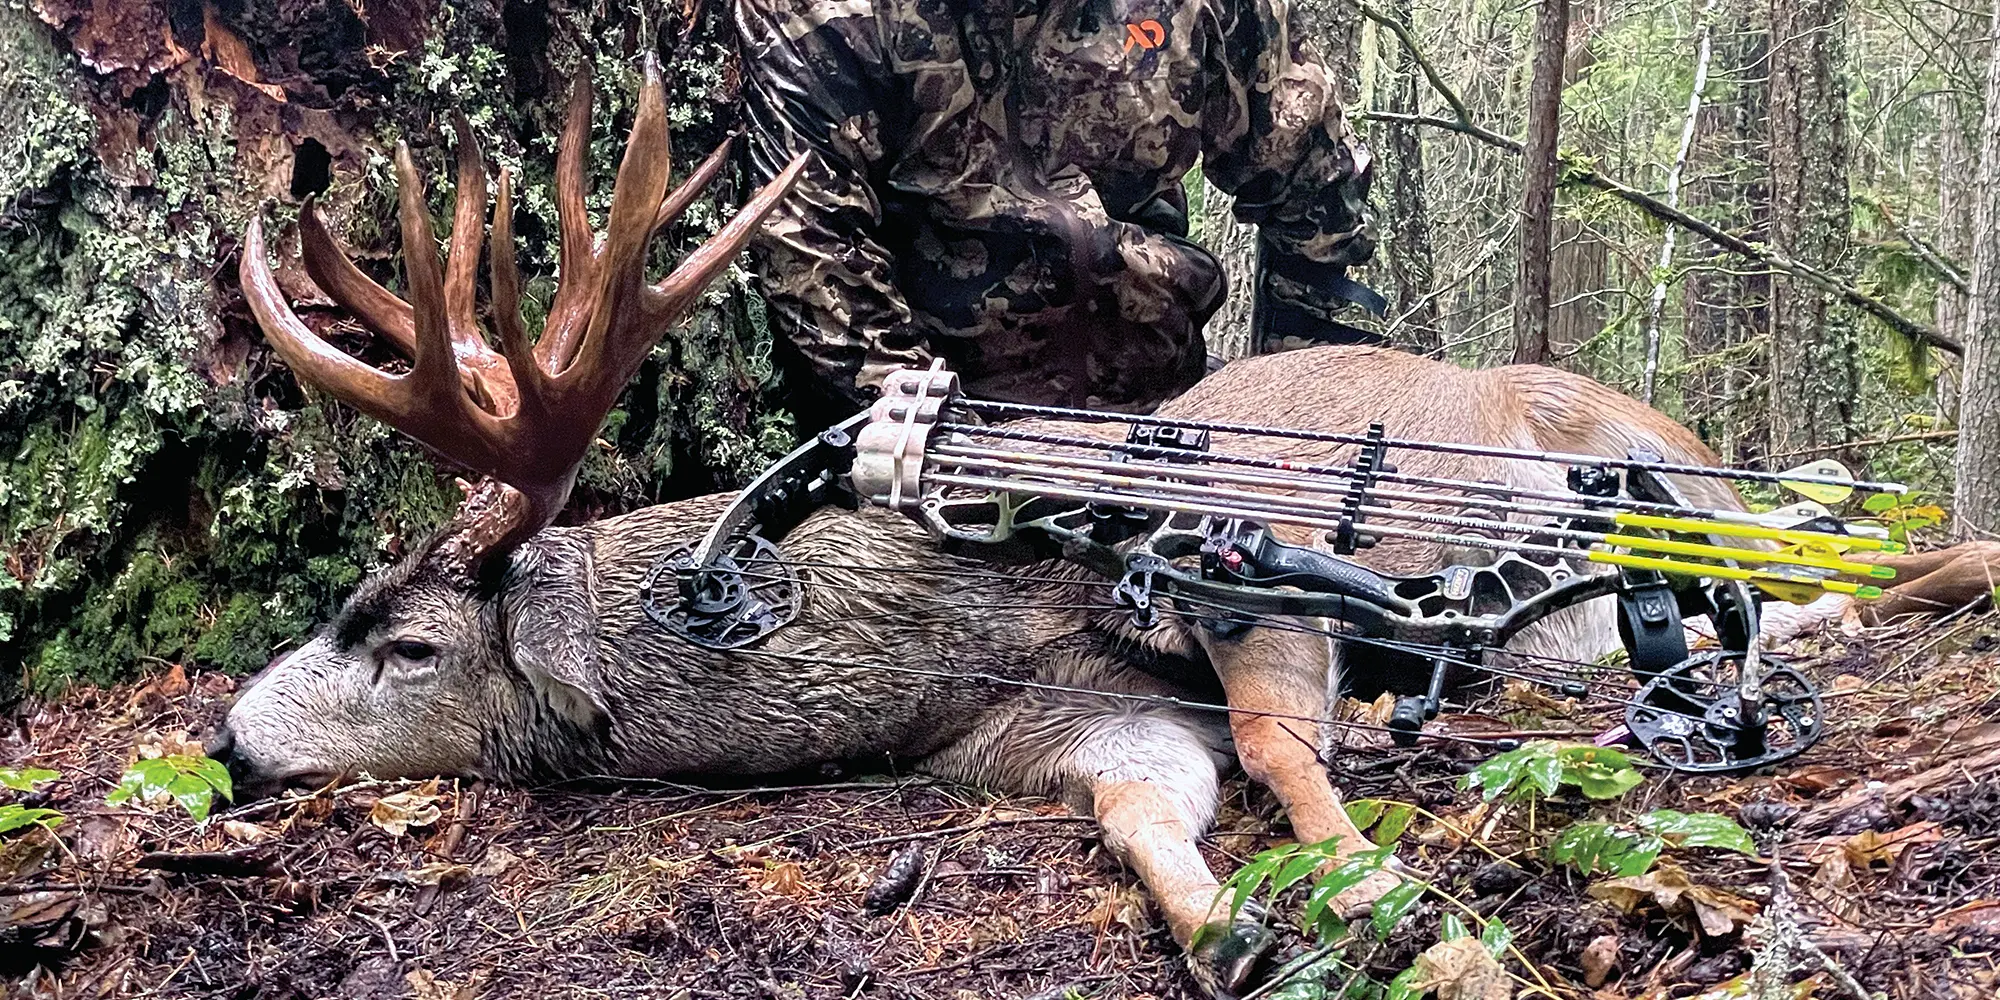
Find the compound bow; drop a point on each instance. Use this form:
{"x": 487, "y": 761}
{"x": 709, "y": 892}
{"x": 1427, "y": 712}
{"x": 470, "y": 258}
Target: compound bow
{"x": 1166, "y": 518}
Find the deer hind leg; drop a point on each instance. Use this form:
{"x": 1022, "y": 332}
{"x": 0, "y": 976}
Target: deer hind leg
{"x": 1285, "y": 674}
{"x": 1151, "y": 778}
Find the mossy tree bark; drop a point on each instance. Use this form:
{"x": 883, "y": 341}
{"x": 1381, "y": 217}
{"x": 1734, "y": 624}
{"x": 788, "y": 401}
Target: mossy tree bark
{"x": 169, "y": 493}
{"x": 1978, "y": 471}
{"x": 1815, "y": 353}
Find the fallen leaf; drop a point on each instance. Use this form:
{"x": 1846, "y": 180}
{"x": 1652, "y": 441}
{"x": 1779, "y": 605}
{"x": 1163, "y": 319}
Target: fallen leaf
{"x": 1813, "y": 781}
{"x": 785, "y": 878}
{"x": 1717, "y": 912}
{"x": 395, "y": 814}
{"x": 425, "y": 985}
{"x": 1461, "y": 969}
{"x": 1116, "y": 905}
{"x": 439, "y": 873}
{"x": 1599, "y": 957}
{"x": 1867, "y": 847}
{"x": 1534, "y": 698}
{"x": 497, "y": 860}
{"x": 243, "y": 833}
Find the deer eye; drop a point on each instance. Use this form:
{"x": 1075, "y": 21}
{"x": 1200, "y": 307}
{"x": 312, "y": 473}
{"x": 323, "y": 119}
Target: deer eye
{"x": 412, "y": 650}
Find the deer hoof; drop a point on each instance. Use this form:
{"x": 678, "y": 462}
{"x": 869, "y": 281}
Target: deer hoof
{"x": 1229, "y": 958}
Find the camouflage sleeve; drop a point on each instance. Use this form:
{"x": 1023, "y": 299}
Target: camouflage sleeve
{"x": 1278, "y": 141}
{"x": 809, "y": 70}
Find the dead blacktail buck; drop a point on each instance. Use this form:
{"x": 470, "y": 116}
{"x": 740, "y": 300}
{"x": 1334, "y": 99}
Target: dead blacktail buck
{"x": 508, "y": 649}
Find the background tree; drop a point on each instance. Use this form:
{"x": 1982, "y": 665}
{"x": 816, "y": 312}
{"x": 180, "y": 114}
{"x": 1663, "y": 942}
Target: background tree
{"x": 1538, "y": 185}
{"x": 1978, "y": 478}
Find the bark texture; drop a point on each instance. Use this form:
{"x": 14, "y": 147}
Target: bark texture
{"x": 1408, "y": 248}
{"x": 1814, "y": 350}
{"x": 1978, "y": 462}
{"x": 1540, "y": 168}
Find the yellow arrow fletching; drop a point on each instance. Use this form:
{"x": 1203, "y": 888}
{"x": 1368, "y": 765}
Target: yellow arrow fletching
{"x": 1824, "y": 468}
{"x": 1698, "y": 526}
{"x": 1788, "y": 557}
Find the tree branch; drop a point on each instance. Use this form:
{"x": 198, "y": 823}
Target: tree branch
{"x": 1575, "y": 172}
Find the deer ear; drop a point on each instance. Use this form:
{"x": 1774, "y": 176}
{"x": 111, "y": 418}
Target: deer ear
{"x": 551, "y": 632}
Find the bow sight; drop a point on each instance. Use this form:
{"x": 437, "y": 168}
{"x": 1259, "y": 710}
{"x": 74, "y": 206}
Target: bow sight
{"x": 1168, "y": 519}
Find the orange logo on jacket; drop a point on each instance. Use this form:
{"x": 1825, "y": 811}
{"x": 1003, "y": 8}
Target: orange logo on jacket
{"x": 1146, "y": 34}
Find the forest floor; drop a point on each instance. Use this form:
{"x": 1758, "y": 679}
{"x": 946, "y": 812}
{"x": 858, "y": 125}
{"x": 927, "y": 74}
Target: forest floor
{"x": 1887, "y": 834}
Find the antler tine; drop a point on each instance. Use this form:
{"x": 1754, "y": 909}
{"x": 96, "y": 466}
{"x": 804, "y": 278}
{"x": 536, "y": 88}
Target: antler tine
{"x": 529, "y": 379}
{"x": 376, "y": 307}
{"x": 311, "y": 357}
{"x": 669, "y": 299}
{"x": 688, "y": 190}
{"x": 577, "y": 259}
{"x": 468, "y": 231}
{"x": 434, "y": 365}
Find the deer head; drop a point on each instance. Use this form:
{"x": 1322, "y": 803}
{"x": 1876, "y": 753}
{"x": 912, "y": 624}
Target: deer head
{"x": 430, "y": 659}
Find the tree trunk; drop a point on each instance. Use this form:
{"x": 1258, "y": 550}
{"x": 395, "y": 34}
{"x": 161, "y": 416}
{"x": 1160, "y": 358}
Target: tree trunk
{"x": 1538, "y": 186}
{"x": 1580, "y": 270}
{"x": 1978, "y": 472}
{"x": 1815, "y": 364}
{"x": 1958, "y": 168}
{"x": 1727, "y": 307}
{"x": 1665, "y": 264}
{"x": 1411, "y": 256}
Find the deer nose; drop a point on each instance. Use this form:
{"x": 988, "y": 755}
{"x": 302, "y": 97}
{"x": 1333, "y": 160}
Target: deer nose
{"x": 222, "y": 748}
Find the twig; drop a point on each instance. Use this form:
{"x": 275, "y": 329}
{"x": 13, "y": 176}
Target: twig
{"x": 1667, "y": 240}
{"x": 253, "y": 863}
{"x": 1893, "y": 439}
{"x": 454, "y": 836}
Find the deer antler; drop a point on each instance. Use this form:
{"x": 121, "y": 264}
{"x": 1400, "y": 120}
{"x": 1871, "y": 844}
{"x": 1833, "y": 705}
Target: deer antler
{"x": 522, "y": 415}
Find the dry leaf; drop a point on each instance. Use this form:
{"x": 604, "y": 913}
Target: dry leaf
{"x": 1534, "y": 698}
{"x": 784, "y": 878}
{"x": 1599, "y": 957}
{"x": 396, "y": 813}
{"x": 1717, "y": 912}
{"x": 439, "y": 873}
{"x": 497, "y": 860}
{"x": 1982, "y": 917}
{"x": 1461, "y": 969}
{"x": 1117, "y": 904}
{"x": 424, "y": 985}
{"x": 243, "y": 833}
{"x": 1867, "y": 847}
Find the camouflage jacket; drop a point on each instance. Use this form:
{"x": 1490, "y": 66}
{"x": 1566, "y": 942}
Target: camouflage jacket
{"x": 998, "y": 182}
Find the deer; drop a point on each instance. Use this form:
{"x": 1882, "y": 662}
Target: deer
{"x": 507, "y": 649}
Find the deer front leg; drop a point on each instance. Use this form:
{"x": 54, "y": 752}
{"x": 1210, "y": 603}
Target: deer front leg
{"x": 1283, "y": 673}
{"x": 1145, "y": 828}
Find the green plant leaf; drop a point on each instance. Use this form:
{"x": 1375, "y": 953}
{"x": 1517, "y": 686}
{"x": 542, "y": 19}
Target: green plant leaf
{"x": 1394, "y": 822}
{"x": 1395, "y": 905}
{"x": 1293, "y": 870}
{"x": 191, "y": 781}
{"x": 1247, "y": 880}
{"x": 1496, "y": 937}
{"x": 1364, "y": 812}
{"x": 1403, "y": 987}
{"x": 1599, "y": 772}
{"x": 1878, "y": 502}
{"x": 1452, "y": 927}
{"x": 1349, "y": 874}
{"x": 1499, "y": 775}
{"x": 24, "y": 779}
{"x": 15, "y": 817}
{"x": 1545, "y": 775}
{"x": 1698, "y": 830}
{"x": 1602, "y": 847}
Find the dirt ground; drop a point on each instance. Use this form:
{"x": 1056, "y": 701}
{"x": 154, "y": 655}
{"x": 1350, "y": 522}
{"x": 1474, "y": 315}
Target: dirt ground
{"x": 1887, "y": 835}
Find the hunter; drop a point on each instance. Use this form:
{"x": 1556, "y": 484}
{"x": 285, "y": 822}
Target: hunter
{"x": 998, "y": 183}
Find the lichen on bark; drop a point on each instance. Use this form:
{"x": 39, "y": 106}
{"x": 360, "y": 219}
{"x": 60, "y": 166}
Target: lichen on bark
{"x": 167, "y": 492}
